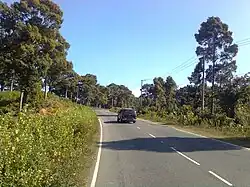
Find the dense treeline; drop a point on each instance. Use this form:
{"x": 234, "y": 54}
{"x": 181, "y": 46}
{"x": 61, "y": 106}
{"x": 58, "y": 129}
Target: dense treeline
{"x": 226, "y": 96}
{"x": 33, "y": 56}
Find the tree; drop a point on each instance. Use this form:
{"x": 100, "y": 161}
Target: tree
{"x": 33, "y": 41}
{"x": 6, "y": 54}
{"x": 216, "y": 44}
{"x": 235, "y": 92}
{"x": 196, "y": 76}
{"x": 159, "y": 91}
{"x": 170, "y": 91}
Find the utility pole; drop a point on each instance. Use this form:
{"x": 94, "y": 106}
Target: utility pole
{"x": 141, "y": 89}
{"x": 203, "y": 83}
{"x": 141, "y": 92}
{"x": 213, "y": 81}
{"x": 77, "y": 92}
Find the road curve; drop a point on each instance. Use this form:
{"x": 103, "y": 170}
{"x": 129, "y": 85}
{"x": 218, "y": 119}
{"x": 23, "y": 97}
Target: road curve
{"x": 141, "y": 154}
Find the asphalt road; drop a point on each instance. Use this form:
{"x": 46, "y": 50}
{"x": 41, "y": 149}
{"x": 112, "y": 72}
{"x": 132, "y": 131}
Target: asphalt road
{"x": 145, "y": 155}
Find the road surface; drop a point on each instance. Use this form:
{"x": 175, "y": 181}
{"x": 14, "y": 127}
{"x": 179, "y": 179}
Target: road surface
{"x": 145, "y": 155}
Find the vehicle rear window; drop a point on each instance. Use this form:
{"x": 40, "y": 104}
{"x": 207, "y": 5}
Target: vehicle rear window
{"x": 129, "y": 112}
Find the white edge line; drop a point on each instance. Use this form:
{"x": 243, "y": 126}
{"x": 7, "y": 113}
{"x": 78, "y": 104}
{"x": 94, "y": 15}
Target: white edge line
{"x": 211, "y": 139}
{"x": 151, "y": 135}
{"x": 185, "y": 156}
{"x": 223, "y": 180}
{"x": 93, "y": 182}
{"x": 138, "y": 128}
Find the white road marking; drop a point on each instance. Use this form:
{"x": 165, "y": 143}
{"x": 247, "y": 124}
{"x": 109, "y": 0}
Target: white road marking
{"x": 189, "y": 132}
{"x": 151, "y": 135}
{"x": 138, "y": 127}
{"x": 162, "y": 142}
{"x": 212, "y": 139}
{"x": 223, "y": 180}
{"x": 93, "y": 182}
{"x": 185, "y": 156}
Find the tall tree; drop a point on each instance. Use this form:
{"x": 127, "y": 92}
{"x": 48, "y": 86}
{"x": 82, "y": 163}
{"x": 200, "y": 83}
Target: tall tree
{"x": 159, "y": 90}
{"x": 196, "y": 76}
{"x": 32, "y": 27}
{"x": 216, "y": 44}
{"x": 170, "y": 91}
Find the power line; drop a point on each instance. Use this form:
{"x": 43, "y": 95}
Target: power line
{"x": 191, "y": 61}
{"x": 184, "y": 63}
{"x": 185, "y": 67}
{"x": 244, "y": 44}
{"x": 243, "y": 40}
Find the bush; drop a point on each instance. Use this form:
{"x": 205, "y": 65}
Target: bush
{"x": 186, "y": 116}
{"x": 243, "y": 114}
{"x": 41, "y": 150}
{"x": 115, "y": 109}
{"x": 9, "y": 102}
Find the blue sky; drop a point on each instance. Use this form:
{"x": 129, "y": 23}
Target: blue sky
{"x": 128, "y": 40}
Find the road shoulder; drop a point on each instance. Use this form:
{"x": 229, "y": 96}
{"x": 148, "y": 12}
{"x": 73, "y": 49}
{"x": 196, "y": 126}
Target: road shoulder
{"x": 241, "y": 142}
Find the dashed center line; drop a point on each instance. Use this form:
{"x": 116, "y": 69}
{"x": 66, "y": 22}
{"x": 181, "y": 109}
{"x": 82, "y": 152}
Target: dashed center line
{"x": 138, "y": 127}
{"x": 185, "y": 156}
{"x": 151, "y": 135}
{"x": 218, "y": 177}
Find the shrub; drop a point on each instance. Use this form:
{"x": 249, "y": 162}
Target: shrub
{"x": 115, "y": 109}
{"x": 37, "y": 150}
{"x": 243, "y": 114}
{"x": 9, "y": 102}
{"x": 186, "y": 116}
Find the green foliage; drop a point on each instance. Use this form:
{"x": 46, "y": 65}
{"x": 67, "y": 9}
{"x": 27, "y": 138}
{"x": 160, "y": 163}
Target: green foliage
{"x": 242, "y": 108}
{"x": 30, "y": 43}
{"x": 115, "y": 109}
{"x": 187, "y": 116}
{"x": 9, "y": 102}
{"x": 42, "y": 150}
{"x": 119, "y": 96}
{"x": 217, "y": 49}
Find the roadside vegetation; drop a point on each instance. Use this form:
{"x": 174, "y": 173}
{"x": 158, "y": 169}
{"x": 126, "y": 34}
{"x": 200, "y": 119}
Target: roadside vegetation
{"x": 46, "y": 138}
{"x": 50, "y": 146}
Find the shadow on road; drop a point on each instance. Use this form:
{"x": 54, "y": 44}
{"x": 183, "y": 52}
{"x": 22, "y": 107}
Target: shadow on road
{"x": 184, "y": 144}
{"x": 113, "y": 121}
{"x": 110, "y": 121}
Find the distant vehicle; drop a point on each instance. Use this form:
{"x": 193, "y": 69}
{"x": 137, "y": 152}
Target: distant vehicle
{"x": 126, "y": 115}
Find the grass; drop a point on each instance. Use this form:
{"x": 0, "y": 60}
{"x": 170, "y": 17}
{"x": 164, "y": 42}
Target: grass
{"x": 52, "y": 146}
{"x": 211, "y": 132}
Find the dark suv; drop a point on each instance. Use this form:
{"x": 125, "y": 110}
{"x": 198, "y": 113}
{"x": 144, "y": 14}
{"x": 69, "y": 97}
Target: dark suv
{"x": 126, "y": 115}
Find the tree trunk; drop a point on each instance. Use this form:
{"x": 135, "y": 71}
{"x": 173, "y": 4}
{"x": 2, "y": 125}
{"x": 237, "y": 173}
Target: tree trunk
{"x": 203, "y": 84}
{"x": 213, "y": 81}
{"x": 2, "y": 87}
{"x": 23, "y": 98}
{"x": 45, "y": 88}
{"x": 11, "y": 84}
{"x": 66, "y": 93}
